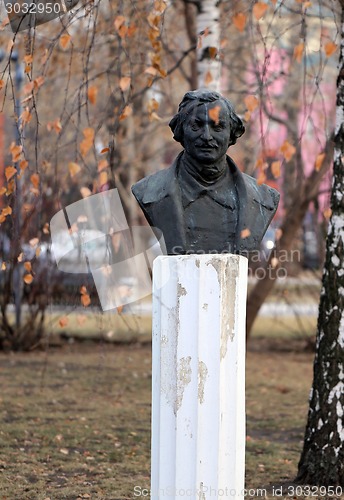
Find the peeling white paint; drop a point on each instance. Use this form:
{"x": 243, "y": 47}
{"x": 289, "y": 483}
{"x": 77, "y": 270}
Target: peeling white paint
{"x": 184, "y": 373}
{"x": 202, "y": 377}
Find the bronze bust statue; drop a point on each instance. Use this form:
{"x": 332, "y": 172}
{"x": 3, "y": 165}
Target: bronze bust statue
{"x": 203, "y": 203}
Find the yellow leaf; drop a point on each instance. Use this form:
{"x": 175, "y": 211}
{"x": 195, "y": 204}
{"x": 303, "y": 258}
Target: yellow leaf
{"x": 330, "y": 48}
{"x": 33, "y": 242}
{"x": 259, "y": 10}
{"x": 83, "y": 290}
{"x": 261, "y": 177}
{"x": 119, "y": 21}
{"x": 85, "y": 300}
{"x": 298, "y": 52}
{"x": 2, "y": 83}
{"x": 327, "y": 213}
{"x": 46, "y": 228}
{"x": 27, "y": 266}
{"x": 247, "y": 116}
{"x": 16, "y": 150}
{"x": 276, "y": 169}
{"x": 28, "y": 278}
{"x": 35, "y": 180}
{"x": 28, "y": 59}
{"x": 245, "y": 233}
{"x": 160, "y": 5}
{"x": 2, "y": 190}
{"x": 73, "y": 168}
{"x": 127, "y": 111}
{"x": 10, "y": 172}
{"x": 319, "y": 161}
{"x": 239, "y": 21}
{"x": 287, "y": 150}
{"x": 38, "y": 251}
{"x": 251, "y": 102}
{"x": 214, "y": 114}
{"x": 63, "y": 321}
{"x": 64, "y": 41}
{"x": 6, "y": 211}
{"x": 3, "y": 266}
{"x": 102, "y": 165}
{"x": 104, "y": 150}
{"x": 23, "y": 165}
{"x": 85, "y": 192}
{"x": 20, "y": 257}
{"x": 92, "y": 94}
{"x": 124, "y": 83}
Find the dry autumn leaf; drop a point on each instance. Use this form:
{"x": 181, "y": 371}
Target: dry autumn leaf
{"x": 276, "y": 169}
{"x": 6, "y": 211}
{"x": 85, "y": 300}
{"x": 119, "y": 21}
{"x": 92, "y": 94}
{"x": 104, "y": 150}
{"x": 259, "y": 10}
{"x": 35, "y": 180}
{"x": 73, "y": 168}
{"x": 298, "y": 52}
{"x": 3, "y": 266}
{"x": 20, "y": 257}
{"x": 245, "y": 233}
{"x": 85, "y": 192}
{"x": 63, "y": 321}
{"x": 330, "y": 48}
{"x": 16, "y": 150}
{"x": 23, "y": 165}
{"x": 251, "y": 102}
{"x": 261, "y": 177}
{"x": 287, "y": 150}
{"x": 327, "y": 213}
{"x": 319, "y": 161}
{"x": 28, "y": 279}
{"x": 10, "y": 172}
{"x": 65, "y": 41}
{"x": 214, "y": 114}
{"x": 33, "y": 242}
{"x": 27, "y": 266}
{"x": 239, "y": 21}
{"x": 124, "y": 83}
{"x": 127, "y": 111}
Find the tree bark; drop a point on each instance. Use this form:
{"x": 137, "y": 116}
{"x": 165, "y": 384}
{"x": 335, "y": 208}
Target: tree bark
{"x": 322, "y": 458}
{"x": 208, "y": 29}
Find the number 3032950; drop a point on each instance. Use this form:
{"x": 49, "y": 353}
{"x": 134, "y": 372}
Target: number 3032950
{"x": 33, "y": 8}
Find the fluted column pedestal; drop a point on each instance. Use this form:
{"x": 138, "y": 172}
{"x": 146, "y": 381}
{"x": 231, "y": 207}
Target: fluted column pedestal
{"x": 198, "y": 412}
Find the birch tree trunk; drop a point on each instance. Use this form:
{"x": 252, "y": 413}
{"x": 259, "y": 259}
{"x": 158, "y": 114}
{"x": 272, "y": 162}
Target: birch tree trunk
{"x": 322, "y": 458}
{"x": 208, "y": 56}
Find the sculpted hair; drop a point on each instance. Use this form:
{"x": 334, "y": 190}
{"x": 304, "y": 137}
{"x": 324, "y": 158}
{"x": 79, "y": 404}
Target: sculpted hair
{"x": 196, "y": 98}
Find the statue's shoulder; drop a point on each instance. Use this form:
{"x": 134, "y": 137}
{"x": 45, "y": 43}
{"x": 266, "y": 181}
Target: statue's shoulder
{"x": 264, "y": 194}
{"x": 154, "y": 186}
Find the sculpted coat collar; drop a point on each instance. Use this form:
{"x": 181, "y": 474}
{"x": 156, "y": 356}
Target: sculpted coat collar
{"x": 159, "y": 196}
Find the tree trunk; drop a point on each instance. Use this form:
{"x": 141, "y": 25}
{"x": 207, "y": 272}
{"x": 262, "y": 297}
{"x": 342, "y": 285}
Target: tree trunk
{"x": 208, "y": 29}
{"x": 322, "y": 458}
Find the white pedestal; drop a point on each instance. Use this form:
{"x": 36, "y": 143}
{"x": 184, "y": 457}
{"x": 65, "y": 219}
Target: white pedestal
{"x": 198, "y": 413}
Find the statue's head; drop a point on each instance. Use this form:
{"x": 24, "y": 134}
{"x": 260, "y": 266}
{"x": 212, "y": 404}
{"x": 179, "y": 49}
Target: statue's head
{"x": 232, "y": 126}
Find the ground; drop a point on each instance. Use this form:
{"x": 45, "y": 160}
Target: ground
{"x": 76, "y": 419}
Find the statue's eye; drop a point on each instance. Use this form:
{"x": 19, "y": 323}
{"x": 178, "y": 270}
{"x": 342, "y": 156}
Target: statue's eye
{"x": 218, "y": 127}
{"x": 195, "y": 125}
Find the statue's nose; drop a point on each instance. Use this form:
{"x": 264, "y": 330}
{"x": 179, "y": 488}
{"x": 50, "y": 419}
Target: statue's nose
{"x": 206, "y": 133}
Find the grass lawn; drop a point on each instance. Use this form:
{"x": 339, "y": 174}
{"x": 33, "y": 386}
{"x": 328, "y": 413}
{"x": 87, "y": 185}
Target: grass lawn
{"x": 75, "y": 421}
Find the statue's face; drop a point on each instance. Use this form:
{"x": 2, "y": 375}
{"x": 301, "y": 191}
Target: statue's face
{"x": 207, "y": 132}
